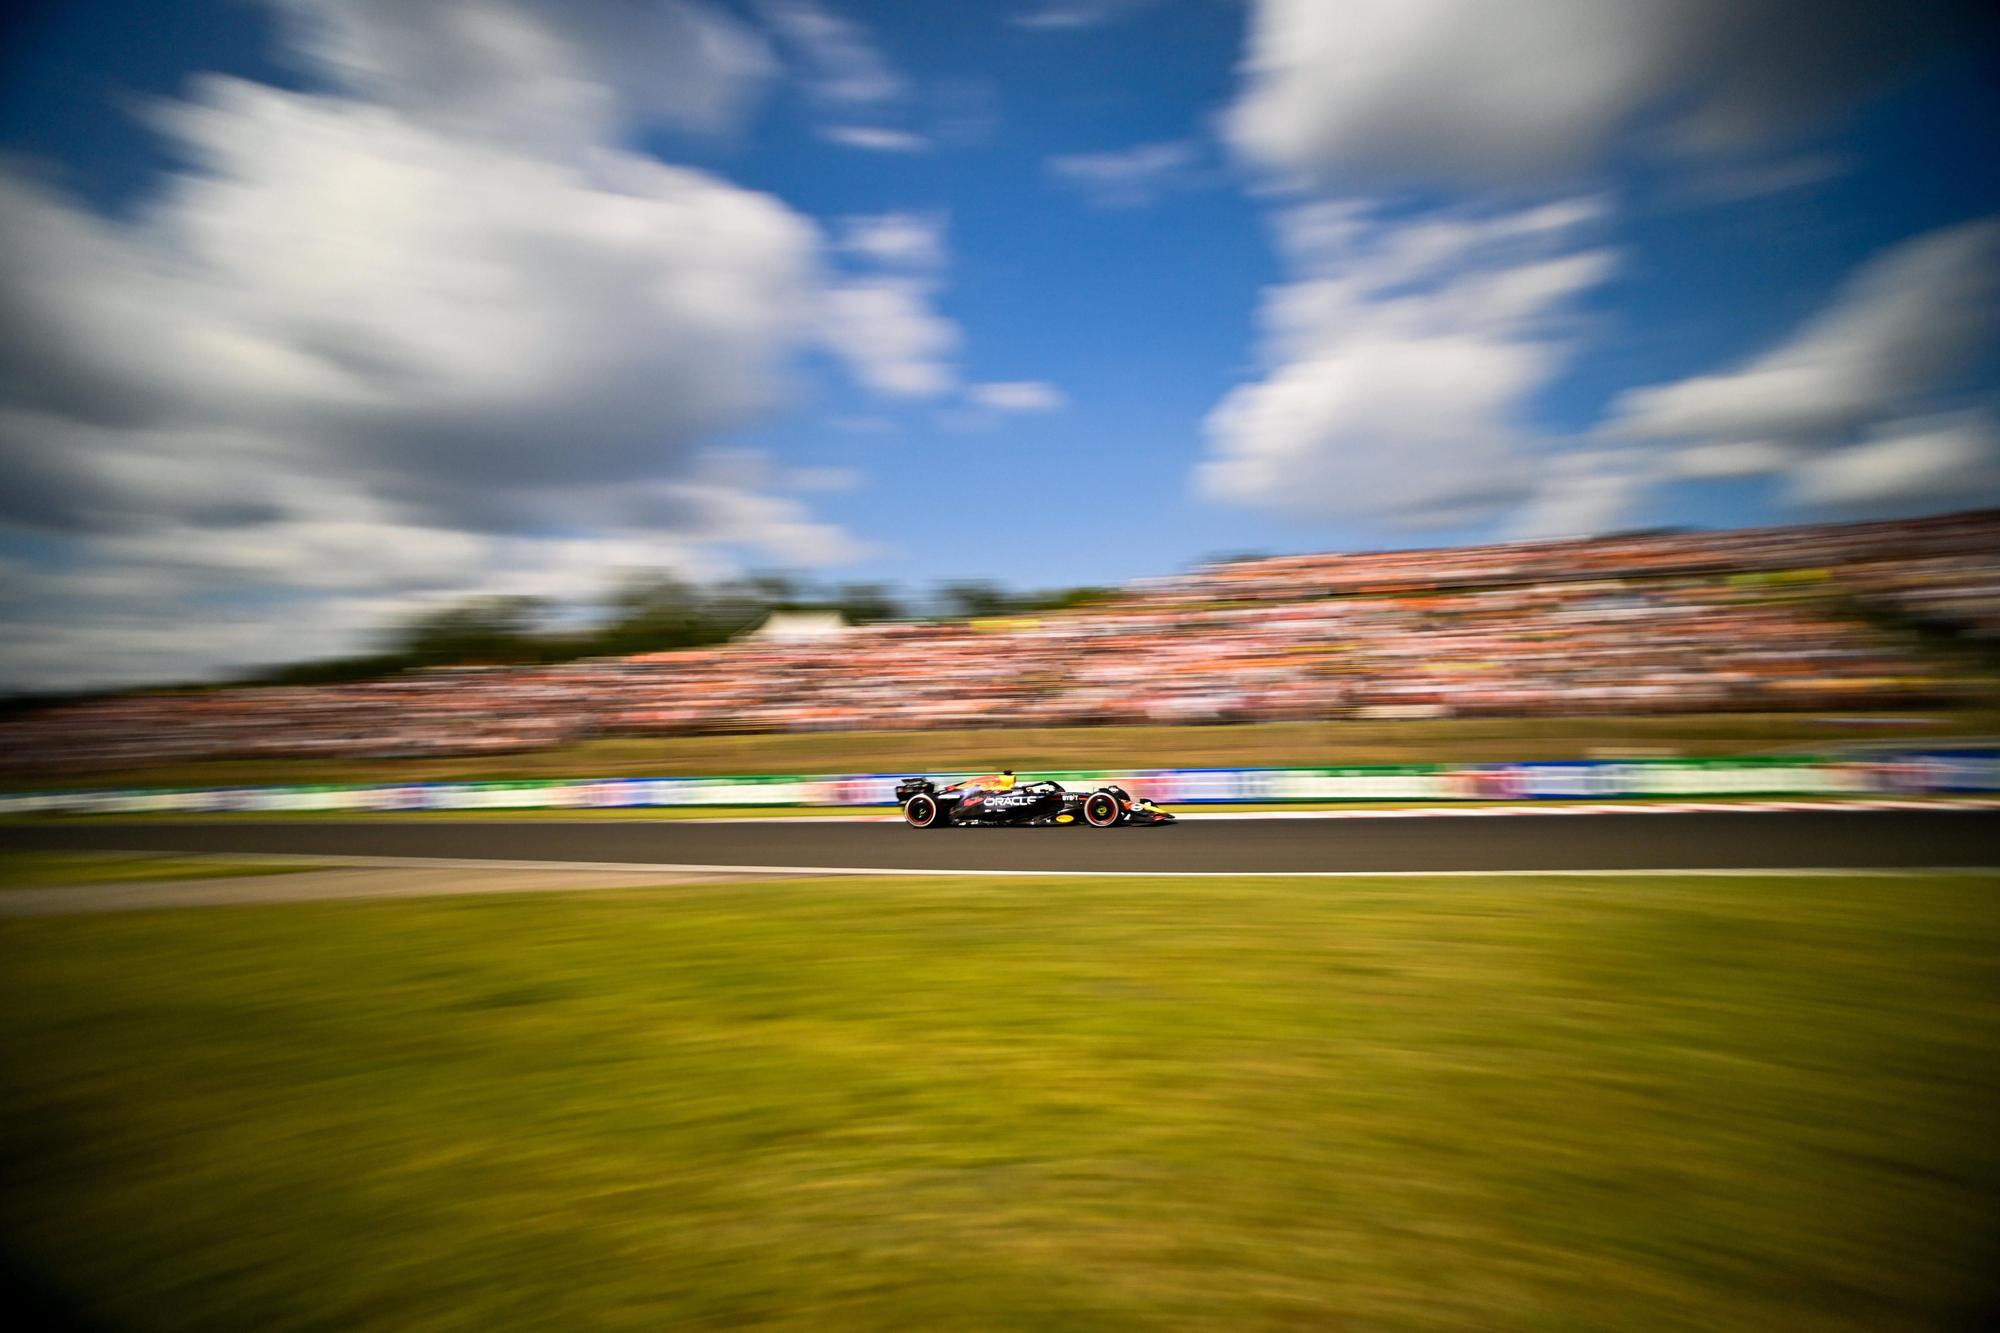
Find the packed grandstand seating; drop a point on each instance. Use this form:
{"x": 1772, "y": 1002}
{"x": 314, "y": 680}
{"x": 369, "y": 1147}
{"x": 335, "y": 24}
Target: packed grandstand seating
{"x": 1819, "y": 617}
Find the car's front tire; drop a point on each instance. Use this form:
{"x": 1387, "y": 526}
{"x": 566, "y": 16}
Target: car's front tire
{"x": 1100, "y": 809}
{"x": 922, "y": 811}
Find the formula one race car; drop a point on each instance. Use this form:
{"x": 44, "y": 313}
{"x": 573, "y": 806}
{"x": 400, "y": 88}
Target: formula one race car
{"x": 1001, "y": 800}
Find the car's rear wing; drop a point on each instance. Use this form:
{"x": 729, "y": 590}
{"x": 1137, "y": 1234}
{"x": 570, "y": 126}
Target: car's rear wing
{"x": 909, "y": 787}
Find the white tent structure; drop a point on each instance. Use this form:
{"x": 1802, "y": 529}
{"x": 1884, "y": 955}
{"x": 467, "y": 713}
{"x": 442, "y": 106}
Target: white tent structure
{"x": 799, "y": 627}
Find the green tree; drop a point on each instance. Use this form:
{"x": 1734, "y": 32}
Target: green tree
{"x": 971, "y": 599}
{"x": 651, "y": 613}
{"x": 865, "y": 603}
{"x": 479, "y": 631}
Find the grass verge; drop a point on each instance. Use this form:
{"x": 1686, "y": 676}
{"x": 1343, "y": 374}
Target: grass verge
{"x": 52, "y": 869}
{"x": 849, "y": 1104}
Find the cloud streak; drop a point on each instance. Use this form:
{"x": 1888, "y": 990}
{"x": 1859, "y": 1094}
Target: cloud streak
{"x": 563, "y": 73}
{"x": 1133, "y": 177}
{"x": 1470, "y": 92}
{"x": 1843, "y": 411}
{"x": 1018, "y": 396}
{"x": 418, "y": 337}
{"x": 1399, "y": 361}
{"x": 841, "y": 64}
{"x": 1899, "y": 326}
{"x": 875, "y": 139}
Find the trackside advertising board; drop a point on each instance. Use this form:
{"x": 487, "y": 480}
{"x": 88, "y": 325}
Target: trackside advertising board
{"x": 1913, "y": 773}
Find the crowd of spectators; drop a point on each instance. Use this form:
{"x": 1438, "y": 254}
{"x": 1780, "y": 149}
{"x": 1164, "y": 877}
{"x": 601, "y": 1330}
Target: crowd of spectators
{"x": 1827, "y": 616}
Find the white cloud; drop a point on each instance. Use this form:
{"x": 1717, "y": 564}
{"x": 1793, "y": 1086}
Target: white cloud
{"x": 1902, "y": 324}
{"x": 1834, "y": 410}
{"x": 842, "y": 64}
{"x": 1400, "y": 359}
{"x": 1018, "y": 396}
{"x": 337, "y": 260}
{"x": 875, "y": 139}
{"x": 559, "y": 72}
{"x": 861, "y": 425}
{"x": 822, "y": 480}
{"x": 174, "y": 599}
{"x": 882, "y": 322}
{"x": 450, "y": 323}
{"x": 1467, "y": 89}
{"x": 1582, "y": 493}
{"x": 895, "y": 240}
{"x": 48, "y": 650}
{"x": 407, "y": 343}
{"x": 965, "y": 112}
{"x": 183, "y": 603}
{"x": 1131, "y": 177}
{"x": 886, "y": 331}
{"x": 1735, "y": 183}
{"x": 1070, "y": 15}
{"x": 1948, "y": 458}
{"x": 1729, "y": 458}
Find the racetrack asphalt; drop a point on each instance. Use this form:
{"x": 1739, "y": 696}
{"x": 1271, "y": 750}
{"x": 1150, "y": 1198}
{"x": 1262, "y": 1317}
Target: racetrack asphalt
{"x": 1831, "y": 839}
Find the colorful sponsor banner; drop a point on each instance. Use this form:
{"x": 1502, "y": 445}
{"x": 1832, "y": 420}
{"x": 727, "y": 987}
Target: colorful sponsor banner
{"x": 1948, "y": 771}
{"x": 1953, "y": 771}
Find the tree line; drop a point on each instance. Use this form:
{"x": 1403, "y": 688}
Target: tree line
{"x": 649, "y": 614}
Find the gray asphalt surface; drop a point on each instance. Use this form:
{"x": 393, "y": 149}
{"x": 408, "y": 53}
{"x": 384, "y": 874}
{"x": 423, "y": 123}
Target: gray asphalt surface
{"x": 1763, "y": 840}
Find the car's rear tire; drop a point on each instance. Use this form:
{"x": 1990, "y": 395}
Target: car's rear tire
{"x": 922, "y": 811}
{"x": 1100, "y": 809}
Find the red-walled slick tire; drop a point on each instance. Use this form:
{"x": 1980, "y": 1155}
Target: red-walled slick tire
{"x": 1100, "y": 809}
{"x": 922, "y": 811}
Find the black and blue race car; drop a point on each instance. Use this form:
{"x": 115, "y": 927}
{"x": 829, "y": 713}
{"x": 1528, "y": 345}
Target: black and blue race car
{"x": 1001, "y": 800}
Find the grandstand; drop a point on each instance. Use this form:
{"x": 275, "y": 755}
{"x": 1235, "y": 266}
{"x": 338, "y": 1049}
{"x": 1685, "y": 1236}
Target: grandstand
{"x": 1810, "y": 617}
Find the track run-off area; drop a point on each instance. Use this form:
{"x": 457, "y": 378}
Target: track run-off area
{"x": 1831, "y": 839}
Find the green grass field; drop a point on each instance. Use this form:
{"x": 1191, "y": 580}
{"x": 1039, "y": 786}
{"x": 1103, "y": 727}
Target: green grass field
{"x": 1056, "y": 749}
{"x": 50, "y": 869}
{"x": 1512, "y": 1103}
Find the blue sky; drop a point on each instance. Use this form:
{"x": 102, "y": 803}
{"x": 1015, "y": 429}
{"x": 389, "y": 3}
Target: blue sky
{"x": 337, "y": 308}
